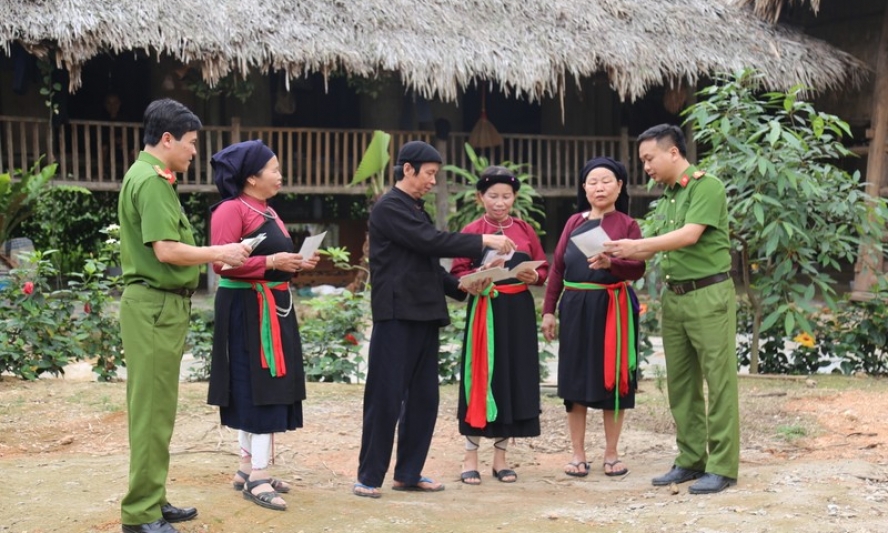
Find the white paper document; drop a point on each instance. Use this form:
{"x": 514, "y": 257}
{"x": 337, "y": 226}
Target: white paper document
{"x": 311, "y": 244}
{"x": 498, "y": 273}
{"x": 252, "y": 242}
{"x": 592, "y": 242}
{"x": 493, "y": 255}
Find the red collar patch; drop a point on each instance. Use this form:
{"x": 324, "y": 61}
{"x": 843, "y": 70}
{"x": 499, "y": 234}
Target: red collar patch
{"x": 684, "y": 180}
{"x": 166, "y": 174}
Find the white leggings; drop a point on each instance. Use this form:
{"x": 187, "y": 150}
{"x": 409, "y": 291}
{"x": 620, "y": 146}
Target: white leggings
{"x": 256, "y": 447}
{"x": 474, "y": 442}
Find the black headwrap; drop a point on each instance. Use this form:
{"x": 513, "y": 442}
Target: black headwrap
{"x": 495, "y": 174}
{"x": 622, "y": 203}
{"x": 234, "y": 164}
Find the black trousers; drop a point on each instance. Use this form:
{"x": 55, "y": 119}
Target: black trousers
{"x": 402, "y": 390}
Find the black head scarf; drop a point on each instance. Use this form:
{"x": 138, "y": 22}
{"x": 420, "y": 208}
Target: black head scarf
{"x": 622, "y": 203}
{"x": 496, "y": 174}
{"x": 234, "y": 164}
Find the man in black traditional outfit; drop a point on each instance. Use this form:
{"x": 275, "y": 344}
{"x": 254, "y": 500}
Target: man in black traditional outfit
{"x": 407, "y": 300}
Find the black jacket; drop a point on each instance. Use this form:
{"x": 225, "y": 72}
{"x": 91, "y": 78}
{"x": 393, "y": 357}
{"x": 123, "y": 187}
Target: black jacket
{"x": 406, "y": 278}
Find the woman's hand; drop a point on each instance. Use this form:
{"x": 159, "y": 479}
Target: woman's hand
{"x": 600, "y": 262}
{"x": 528, "y": 276}
{"x": 288, "y": 262}
{"x": 548, "y": 327}
{"x": 475, "y": 287}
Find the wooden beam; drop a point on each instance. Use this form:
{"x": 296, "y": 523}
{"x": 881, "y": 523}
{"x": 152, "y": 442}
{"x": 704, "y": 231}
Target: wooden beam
{"x": 870, "y": 260}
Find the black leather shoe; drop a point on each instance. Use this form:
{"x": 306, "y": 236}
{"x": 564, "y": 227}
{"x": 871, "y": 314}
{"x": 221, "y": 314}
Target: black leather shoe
{"x": 676, "y": 475}
{"x": 158, "y": 526}
{"x": 172, "y": 514}
{"x": 710, "y": 484}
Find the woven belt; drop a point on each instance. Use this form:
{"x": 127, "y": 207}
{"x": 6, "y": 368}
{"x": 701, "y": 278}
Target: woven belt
{"x": 185, "y": 293}
{"x": 685, "y": 287}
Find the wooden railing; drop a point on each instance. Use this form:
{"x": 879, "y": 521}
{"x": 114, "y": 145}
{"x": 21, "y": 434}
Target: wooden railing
{"x": 96, "y": 154}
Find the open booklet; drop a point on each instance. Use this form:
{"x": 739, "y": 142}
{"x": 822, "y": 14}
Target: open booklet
{"x": 591, "y": 243}
{"x": 498, "y": 273}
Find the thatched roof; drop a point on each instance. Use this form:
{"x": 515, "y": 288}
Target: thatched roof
{"x": 440, "y": 46}
{"x": 770, "y": 9}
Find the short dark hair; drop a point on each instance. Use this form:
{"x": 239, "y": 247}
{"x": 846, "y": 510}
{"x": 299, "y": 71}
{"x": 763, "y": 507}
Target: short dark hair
{"x": 668, "y": 133}
{"x": 168, "y": 115}
{"x": 417, "y": 166}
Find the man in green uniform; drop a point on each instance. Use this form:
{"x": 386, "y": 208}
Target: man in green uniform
{"x": 160, "y": 273}
{"x": 699, "y": 311}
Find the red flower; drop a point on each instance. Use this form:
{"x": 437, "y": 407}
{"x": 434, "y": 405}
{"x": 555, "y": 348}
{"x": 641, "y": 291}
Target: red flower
{"x": 166, "y": 174}
{"x": 87, "y": 308}
{"x": 28, "y": 287}
{"x": 349, "y": 338}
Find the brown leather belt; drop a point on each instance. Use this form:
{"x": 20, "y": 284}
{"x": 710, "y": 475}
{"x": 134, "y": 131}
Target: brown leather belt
{"x": 185, "y": 293}
{"x": 685, "y": 287}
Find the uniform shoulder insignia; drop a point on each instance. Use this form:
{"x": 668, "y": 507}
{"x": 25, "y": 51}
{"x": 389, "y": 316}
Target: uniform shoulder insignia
{"x": 699, "y": 174}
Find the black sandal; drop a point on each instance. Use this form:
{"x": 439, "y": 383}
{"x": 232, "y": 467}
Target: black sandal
{"x": 504, "y": 473}
{"x": 263, "y": 499}
{"x": 471, "y": 477}
{"x": 276, "y": 484}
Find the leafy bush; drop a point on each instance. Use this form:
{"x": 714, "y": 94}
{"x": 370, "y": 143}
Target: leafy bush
{"x": 794, "y": 214}
{"x": 65, "y": 218}
{"x": 199, "y": 342}
{"x": 42, "y": 330}
{"x": 332, "y": 331}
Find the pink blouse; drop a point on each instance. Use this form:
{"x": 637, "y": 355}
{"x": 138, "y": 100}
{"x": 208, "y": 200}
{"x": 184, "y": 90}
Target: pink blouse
{"x": 520, "y": 232}
{"x": 231, "y": 222}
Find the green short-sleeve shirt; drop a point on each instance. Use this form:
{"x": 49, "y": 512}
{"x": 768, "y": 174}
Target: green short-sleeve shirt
{"x": 149, "y": 211}
{"x": 695, "y": 200}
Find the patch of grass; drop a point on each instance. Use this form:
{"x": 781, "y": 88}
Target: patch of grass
{"x": 791, "y": 432}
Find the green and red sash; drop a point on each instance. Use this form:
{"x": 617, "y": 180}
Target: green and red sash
{"x": 271, "y": 347}
{"x": 479, "y": 350}
{"x": 620, "y": 356}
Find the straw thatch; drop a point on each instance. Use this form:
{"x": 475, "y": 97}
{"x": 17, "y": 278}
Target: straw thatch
{"x": 770, "y": 9}
{"x": 529, "y": 47}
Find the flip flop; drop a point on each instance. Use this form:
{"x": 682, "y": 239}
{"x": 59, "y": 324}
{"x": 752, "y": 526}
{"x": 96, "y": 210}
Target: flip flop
{"x": 417, "y": 488}
{"x": 365, "y": 491}
{"x": 621, "y": 472}
{"x": 578, "y": 465}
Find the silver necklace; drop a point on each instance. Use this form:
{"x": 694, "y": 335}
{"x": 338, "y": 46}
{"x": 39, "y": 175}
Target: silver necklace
{"x": 498, "y": 225}
{"x": 267, "y": 214}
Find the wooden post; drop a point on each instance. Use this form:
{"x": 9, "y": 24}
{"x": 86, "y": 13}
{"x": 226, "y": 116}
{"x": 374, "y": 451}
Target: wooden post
{"x": 690, "y": 100}
{"x": 624, "y": 146}
{"x": 442, "y": 194}
{"x": 869, "y": 261}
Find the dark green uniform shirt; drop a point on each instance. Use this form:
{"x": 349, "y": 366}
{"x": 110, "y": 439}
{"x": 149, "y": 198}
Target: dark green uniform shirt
{"x": 149, "y": 211}
{"x": 695, "y": 198}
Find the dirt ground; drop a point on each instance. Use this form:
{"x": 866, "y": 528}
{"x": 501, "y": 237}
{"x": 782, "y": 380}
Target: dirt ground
{"x": 814, "y": 458}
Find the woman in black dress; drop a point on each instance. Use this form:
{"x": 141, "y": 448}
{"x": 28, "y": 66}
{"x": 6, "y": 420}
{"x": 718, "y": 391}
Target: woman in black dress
{"x": 599, "y": 315}
{"x": 256, "y": 378}
{"x": 507, "y": 403}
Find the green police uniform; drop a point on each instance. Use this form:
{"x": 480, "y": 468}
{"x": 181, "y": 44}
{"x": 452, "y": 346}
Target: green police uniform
{"x": 154, "y": 315}
{"x": 700, "y": 326}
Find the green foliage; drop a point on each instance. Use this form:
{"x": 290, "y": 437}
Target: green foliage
{"x": 197, "y": 207}
{"x": 467, "y": 208}
{"x": 19, "y": 191}
{"x": 373, "y": 165}
{"x": 793, "y": 213}
{"x": 42, "y": 330}
{"x": 332, "y": 331}
{"x": 857, "y": 334}
{"x": 65, "y": 218}
{"x": 199, "y": 342}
